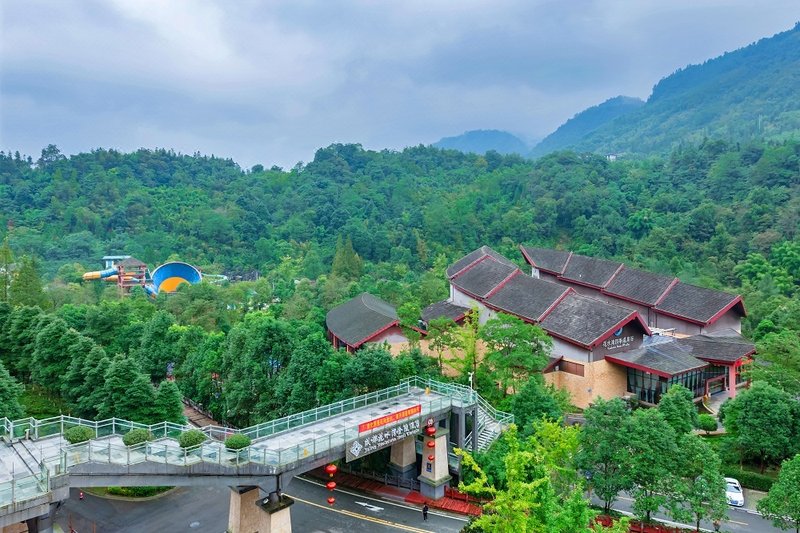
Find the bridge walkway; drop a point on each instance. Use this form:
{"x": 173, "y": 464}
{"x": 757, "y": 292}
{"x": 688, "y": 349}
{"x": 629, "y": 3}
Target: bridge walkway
{"x": 292, "y": 444}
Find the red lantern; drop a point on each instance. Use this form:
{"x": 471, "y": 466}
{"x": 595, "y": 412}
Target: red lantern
{"x": 430, "y": 430}
{"x": 431, "y": 457}
{"x": 330, "y": 485}
{"x": 331, "y": 500}
{"x": 431, "y": 444}
{"x": 331, "y": 469}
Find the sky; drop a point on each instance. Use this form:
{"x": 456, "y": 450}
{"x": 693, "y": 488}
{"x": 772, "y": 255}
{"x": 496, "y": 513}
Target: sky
{"x": 270, "y": 82}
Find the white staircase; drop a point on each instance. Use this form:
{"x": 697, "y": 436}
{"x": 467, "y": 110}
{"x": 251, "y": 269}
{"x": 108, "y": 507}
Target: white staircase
{"x": 488, "y": 426}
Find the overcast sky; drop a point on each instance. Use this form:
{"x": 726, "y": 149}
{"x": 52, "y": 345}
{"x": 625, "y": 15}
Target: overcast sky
{"x": 270, "y": 82}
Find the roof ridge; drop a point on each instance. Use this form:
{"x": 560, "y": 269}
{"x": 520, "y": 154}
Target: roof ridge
{"x": 375, "y": 299}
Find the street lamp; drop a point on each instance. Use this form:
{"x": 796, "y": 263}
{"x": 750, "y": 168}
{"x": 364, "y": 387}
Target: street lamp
{"x": 470, "y": 380}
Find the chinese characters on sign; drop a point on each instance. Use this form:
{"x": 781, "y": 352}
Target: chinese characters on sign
{"x": 617, "y": 342}
{"x": 388, "y": 419}
{"x": 371, "y": 443}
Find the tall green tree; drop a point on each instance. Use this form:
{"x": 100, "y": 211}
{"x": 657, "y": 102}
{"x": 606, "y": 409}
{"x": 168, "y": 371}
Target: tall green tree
{"x": 346, "y": 262}
{"x": 678, "y": 409}
{"x": 653, "y": 452}
{"x": 516, "y": 349}
{"x": 10, "y": 391}
{"x": 127, "y": 391}
{"x": 762, "y": 421}
{"x": 782, "y": 503}
{"x": 535, "y": 401}
{"x": 701, "y": 492}
{"x": 156, "y": 349}
{"x": 440, "y": 337}
{"x": 168, "y": 404}
{"x": 603, "y": 453}
{"x": 51, "y": 354}
{"x": 778, "y": 361}
{"x": 93, "y": 393}
{"x": 6, "y": 260}
{"x": 26, "y": 286}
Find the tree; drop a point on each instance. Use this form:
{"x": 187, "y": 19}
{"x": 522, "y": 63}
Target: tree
{"x": 778, "y": 361}
{"x": 440, "y": 337}
{"x": 346, "y": 262}
{"x": 20, "y": 339}
{"x": 156, "y": 349}
{"x": 51, "y": 353}
{"x": 701, "y": 493}
{"x": 762, "y": 421}
{"x": 534, "y": 402}
{"x": 26, "y": 287}
{"x": 92, "y": 394}
{"x": 10, "y": 391}
{"x": 530, "y": 502}
{"x": 128, "y": 392}
{"x": 707, "y": 423}
{"x": 603, "y": 455}
{"x": 782, "y": 503}
{"x": 678, "y": 409}
{"x": 370, "y": 369}
{"x": 465, "y": 345}
{"x": 516, "y": 349}
{"x": 652, "y": 453}
{"x": 71, "y": 385}
{"x": 6, "y": 260}
{"x": 409, "y": 314}
{"x": 168, "y": 406}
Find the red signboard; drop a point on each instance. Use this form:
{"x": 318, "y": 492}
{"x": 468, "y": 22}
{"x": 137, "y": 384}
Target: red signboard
{"x": 388, "y": 419}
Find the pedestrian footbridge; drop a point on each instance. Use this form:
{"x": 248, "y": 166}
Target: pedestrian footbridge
{"x": 37, "y": 465}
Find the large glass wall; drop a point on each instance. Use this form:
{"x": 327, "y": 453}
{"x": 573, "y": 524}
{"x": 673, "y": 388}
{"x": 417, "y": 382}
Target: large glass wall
{"x": 649, "y": 387}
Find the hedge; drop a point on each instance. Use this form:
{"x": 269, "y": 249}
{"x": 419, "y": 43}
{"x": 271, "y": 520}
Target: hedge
{"x": 750, "y": 480}
{"x": 137, "y": 436}
{"x": 136, "y": 492}
{"x": 707, "y": 423}
{"x": 190, "y": 438}
{"x": 77, "y": 434}
{"x": 237, "y": 441}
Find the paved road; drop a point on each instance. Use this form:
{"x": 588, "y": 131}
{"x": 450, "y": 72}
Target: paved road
{"x": 206, "y": 509}
{"x": 738, "y": 521}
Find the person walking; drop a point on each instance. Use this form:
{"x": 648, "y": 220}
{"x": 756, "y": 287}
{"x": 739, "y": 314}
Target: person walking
{"x": 425, "y": 512}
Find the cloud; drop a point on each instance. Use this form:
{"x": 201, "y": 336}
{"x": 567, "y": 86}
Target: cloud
{"x": 270, "y": 82}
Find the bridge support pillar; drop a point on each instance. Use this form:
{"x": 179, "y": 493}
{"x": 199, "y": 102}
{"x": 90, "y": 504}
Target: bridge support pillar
{"x": 250, "y": 513}
{"x": 436, "y": 473}
{"x": 40, "y": 524}
{"x": 403, "y": 459}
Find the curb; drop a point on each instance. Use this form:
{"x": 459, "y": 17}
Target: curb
{"x": 129, "y": 498}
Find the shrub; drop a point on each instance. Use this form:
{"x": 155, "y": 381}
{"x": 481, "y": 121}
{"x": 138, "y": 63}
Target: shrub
{"x": 707, "y": 423}
{"x": 748, "y": 479}
{"x": 136, "y": 492}
{"x": 237, "y": 441}
{"x": 190, "y": 438}
{"x": 77, "y": 434}
{"x": 137, "y": 436}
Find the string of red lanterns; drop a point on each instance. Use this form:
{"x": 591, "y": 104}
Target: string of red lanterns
{"x": 331, "y": 469}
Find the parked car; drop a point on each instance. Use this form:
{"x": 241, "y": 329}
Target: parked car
{"x": 733, "y": 492}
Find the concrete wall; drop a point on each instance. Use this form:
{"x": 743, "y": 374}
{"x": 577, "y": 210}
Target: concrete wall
{"x": 601, "y": 379}
{"x": 681, "y": 326}
{"x": 459, "y": 298}
{"x": 570, "y": 351}
{"x": 393, "y": 335}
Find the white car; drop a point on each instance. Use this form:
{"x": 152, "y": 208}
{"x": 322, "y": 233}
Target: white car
{"x": 733, "y": 492}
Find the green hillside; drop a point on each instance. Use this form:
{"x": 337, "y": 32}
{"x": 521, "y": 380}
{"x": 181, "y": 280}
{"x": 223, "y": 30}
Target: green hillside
{"x": 585, "y": 122}
{"x": 751, "y": 93}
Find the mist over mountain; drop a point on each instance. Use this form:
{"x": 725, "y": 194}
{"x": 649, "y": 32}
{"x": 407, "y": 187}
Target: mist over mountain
{"x": 481, "y": 141}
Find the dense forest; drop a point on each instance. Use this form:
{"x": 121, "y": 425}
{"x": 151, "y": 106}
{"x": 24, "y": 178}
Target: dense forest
{"x": 747, "y": 94}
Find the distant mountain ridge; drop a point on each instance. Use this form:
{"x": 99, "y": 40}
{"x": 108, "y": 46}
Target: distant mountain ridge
{"x": 481, "y": 141}
{"x": 585, "y": 122}
{"x": 750, "y": 93}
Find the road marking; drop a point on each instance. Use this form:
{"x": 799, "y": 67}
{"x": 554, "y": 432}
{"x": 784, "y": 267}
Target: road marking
{"x": 369, "y": 507}
{"x": 386, "y": 502}
{"x": 364, "y": 517}
{"x": 737, "y": 523}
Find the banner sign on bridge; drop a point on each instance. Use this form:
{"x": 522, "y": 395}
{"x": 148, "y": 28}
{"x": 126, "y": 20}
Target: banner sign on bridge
{"x": 372, "y": 443}
{"x": 390, "y": 418}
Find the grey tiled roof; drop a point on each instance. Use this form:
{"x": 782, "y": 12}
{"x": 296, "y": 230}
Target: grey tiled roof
{"x": 482, "y": 277}
{"x": 668, "y": 357}
{"x": 131, "y": 262}
{"x": 473, "y": 256}
{"x": 526, "y": 296}
{"x": 359, "y": 318}
{"x": 443, "y": 309}
{"x": 590, "y": 270}
{"x": 546, "y": 259}
{"x": 583, "y": 319}
{"x": 694, "y": 303}
{"x": 726, "y": 345}
{"x": 638, "y": 285}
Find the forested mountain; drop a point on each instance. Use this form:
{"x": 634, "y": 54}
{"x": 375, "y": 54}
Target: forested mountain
{"x": 585, "y": 123}
{"x": 481, "y": 141}
{"x": 751, "y": 93}
{"x": 696, "y": 213}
